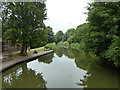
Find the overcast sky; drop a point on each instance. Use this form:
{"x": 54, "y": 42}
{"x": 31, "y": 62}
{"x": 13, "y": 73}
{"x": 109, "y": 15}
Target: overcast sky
{"x": 65, "y": 14}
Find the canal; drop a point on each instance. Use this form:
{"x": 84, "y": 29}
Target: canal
{"x": 65, "y": 68}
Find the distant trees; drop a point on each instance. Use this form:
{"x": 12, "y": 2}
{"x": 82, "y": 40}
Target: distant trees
{"x": 68, "y": 36}
{"x": 70, "y": 39}
{"x": 23, "y": 23}
{"x": 68, "y": 33}
{"x": 50, "y": 34}
{"x": 58, "y": 36}
{"x": 101, "y": 34}
{"x": 81, "y": 32}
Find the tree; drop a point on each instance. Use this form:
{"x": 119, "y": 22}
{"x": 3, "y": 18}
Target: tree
{"x": 41, "y": 39}
{"x": 50, "y": 34}
{"x": 70, "y": 40}
{"x": 104, "y": 20}
{"x": 58, "y": 36}
{"x": 23, "y": 23}
{"x": 82, "y": 36}
{"x": 81, "y": 32}
{"x": 69, "y": 32}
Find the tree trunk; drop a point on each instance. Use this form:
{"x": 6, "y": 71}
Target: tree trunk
{"x": 24, "y": 50}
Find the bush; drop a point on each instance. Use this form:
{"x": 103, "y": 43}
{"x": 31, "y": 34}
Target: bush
{"x": 65, "y": 44}
{"x": 75, "y": 45}
{"x": 60, "y": 44}
{"x": 113, "y": 53}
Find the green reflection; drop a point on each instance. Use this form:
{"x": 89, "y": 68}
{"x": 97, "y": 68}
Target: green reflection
{"x": 21, "y": 77}
{"x": 98, "y": 74}
{"x": 66, "y": 51}
{"x": 47, "y": 58}
{"x": 59, "y": 51}
{"x": 101, "y": 78}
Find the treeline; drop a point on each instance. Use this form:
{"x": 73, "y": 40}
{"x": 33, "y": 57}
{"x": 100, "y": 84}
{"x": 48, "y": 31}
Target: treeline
{"x": 22, "y": 22}
{"x": 101, "y": 34}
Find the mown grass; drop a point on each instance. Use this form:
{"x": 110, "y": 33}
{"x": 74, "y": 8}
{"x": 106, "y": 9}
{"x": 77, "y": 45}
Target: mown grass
{"x": 52, "y": 46}
{"x": 31, "y": 52}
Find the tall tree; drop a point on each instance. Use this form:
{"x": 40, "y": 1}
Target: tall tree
{"x": 50, "y": 34}
{"x": 23, "y": 23}
{"x": 104, "y": 23}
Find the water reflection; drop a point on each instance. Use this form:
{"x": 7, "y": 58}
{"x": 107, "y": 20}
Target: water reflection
{"x": 101, "y": 78}
{"x": 61, "y": 73}
{"x": 59, "y": 52}
{"x": 66, "y": 68}
{"x": 22, "y": 77}
{"x": 47, "y": 58}
{"x": 98, "y": 75}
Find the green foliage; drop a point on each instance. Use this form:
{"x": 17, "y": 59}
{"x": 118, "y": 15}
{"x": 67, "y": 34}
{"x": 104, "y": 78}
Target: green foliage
{"x": 69, "y": 32}
{"x": 75, "y": 45}
{"x": 81, "y": 32}
{"x": 60, "y": 44}
{"x": 41, "y": 36}
{"x": 50, "y": 34}
{"x": 104, "y": 20}
{"x": 65, "y": 44}
{"x": 101, "y": 35}
{"x": 70, "y": 39}
{"x": 23, "y": 23}
{"x": 113, "y": 52}
{"x": 51, "y": 46}
{"x": 82, "y": 35}
{"x": 58, "y": 36}
{"x": 47, "y": 59}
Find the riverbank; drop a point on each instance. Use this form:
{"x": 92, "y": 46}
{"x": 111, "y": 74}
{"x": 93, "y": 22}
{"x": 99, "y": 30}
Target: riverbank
{"x": 10, "y": 63}
{"x": 77, "y": 46}
{"x": 7, "y": 56}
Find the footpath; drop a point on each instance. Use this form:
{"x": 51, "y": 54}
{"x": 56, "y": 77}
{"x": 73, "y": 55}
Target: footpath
{"x": 8, "y": 64}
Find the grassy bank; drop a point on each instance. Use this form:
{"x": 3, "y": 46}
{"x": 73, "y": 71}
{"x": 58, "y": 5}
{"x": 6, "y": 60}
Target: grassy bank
{"x": 17, "y": 55}
{"x": 76, "y": 46}
{"x": 52, "y": 46}
{"x": 63, "y": 44}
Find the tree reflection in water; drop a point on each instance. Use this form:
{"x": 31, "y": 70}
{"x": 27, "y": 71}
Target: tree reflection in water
{"x": 59, "y": 51}
{"x": 22, "y": 77}
{"x": 98, "y": 75}
{"x": 46, "y": 59}
{"x": 67, "y": 52}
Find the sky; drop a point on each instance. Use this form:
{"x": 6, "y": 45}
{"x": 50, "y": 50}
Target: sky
{"x": 65, "y": 14}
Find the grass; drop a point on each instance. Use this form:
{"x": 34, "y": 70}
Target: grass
{"x": 52, "y": 46}
{"x": 60, "y": 44}
{"x": 18, "y": 55}
{"x": 38, "y": 50}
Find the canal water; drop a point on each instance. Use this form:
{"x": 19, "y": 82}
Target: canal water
{"x": 65, "y": 68}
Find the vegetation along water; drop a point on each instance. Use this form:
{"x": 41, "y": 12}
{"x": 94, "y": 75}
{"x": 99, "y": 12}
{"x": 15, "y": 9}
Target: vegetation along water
{"x": 65, "y": 68}
{"x": 88, "y": 56}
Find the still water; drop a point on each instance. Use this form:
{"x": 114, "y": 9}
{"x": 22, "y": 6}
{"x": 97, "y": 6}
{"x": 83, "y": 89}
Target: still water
{"x": 65, "y": 68}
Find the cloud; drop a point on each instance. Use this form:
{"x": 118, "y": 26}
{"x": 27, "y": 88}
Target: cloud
{"x": 65, "y": 14}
